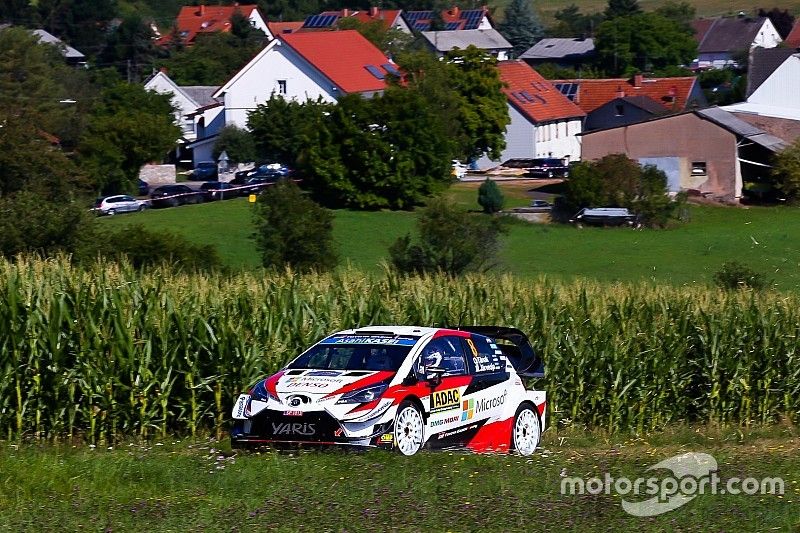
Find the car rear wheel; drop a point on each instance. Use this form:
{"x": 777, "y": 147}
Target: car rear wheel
{"x": 527, "y": 431}
{"x": 112, "y": 212}
{"x": 409, "y": 428}
{"x": 141, "y": 208}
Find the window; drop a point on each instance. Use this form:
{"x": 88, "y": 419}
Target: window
{"x": 485, "y": 358}
{"x": 698, "y": 168}
{"x": 281, "y": 86}
{"x": 619, "y": 110}
{"x": 446, "y": 353}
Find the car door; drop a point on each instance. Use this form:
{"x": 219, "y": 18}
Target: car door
{"x": 488, "y": 391}
{"x": 128, "y": 203}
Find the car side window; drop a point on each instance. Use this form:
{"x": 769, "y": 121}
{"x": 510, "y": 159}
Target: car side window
{"x": 446, "y": 353}
{"x": 484, "y": 353}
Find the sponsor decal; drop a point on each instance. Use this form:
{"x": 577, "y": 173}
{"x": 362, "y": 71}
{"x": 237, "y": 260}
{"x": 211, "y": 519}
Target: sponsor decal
{"x": 443, "y": 421}
{"x": 293, "y": 413}
{"x": 324, "y": 373}
{"x": 485, "y": 404}
{"x": 293, "y": 428}
{"x": 337, "y": 433}
{"x": 456, "y": 431}
{"x": 302, "y": 381}
{"x": 241, "y": 405}
{"x": 472, "y": 348}
{"x": 467, "y": 410}
{"x": 445, "y": 400}
{"x": 365, "y": 339}
{"x": 484, "y": 364}
{"x": 387, "y": 437}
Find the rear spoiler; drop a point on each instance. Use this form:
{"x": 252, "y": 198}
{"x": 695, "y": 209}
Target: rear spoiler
{"x": 519, "y": 352}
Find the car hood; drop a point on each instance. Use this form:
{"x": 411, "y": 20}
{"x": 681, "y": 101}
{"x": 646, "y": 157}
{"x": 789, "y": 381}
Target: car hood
{"x": 321, "y": 383}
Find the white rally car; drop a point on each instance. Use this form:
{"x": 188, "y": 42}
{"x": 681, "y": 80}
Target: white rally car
{"x": 404, "y": 388}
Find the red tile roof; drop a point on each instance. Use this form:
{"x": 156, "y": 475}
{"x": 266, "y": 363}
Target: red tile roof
{"x": 594, "y": 93}
{"x": 793, "y": 39}
{"x": 700, "y": 27}
{"x": 279, "y": 28}
{"x": 387, "y": 16}
{"x": 534, "y": 96}
{"x": 193, "y": 20}
{"x": 342, "y": 56}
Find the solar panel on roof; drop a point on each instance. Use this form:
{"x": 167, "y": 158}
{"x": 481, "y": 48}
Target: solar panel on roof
{"x": 320, "y": 21}
{"x": 414, "y": 16}
{"x": 422, "y": 26}
{"x": 527, "y": 96}
{"x": 375, "y": 71}
{"x": 391, "y": 69}
{"x": 452, "y": 25}
{"x": 473, "y": 18}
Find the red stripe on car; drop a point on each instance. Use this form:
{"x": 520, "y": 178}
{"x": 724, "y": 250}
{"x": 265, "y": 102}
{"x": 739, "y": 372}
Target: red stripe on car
{"x": 361, "y": 383}
{"x": 272, "y": 383}
{"x": 451, "y": 332}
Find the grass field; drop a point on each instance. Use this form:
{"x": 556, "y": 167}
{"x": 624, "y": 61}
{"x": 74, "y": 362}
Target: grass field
{"x": 201, "y": 485}
{"x": 765, "y": 238}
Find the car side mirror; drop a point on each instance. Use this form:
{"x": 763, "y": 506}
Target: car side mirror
{"x": 433, "y": 375}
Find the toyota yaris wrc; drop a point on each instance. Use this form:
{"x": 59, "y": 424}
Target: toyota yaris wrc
{"x": 402, "y": 388}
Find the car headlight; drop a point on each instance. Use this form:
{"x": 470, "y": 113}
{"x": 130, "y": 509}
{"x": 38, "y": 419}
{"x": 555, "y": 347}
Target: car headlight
{"x": 260, "y": 392}
{"x": 364, "y": 395}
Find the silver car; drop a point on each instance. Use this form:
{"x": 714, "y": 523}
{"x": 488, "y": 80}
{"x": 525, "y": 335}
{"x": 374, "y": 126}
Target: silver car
{"x": 121, "y": 203}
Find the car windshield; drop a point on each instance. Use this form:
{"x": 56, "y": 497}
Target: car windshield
{"x": 343, "y": 352}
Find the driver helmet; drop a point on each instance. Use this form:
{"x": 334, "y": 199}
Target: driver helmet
{"x": 432, "y": 357}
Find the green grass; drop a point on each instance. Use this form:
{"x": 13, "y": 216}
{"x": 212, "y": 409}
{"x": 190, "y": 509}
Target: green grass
{"x": 764, "y": 238}
{"x": 188, "y": 486}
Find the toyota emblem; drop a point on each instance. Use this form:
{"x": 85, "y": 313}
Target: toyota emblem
{"x": 295, "y": 402}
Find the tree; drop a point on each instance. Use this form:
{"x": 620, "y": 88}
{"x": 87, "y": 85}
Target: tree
{"x": 291, "y": 230}
{"x": 521, "y": 26}
{"x": 781, "y": 19}
{"x": 490, "y": 197}
{"x": 475, "y": 249}
{"x": 678, "y": 11}
{"x": 572, "y": 23}
{"x": 130, "y": 49}
{"x": 736, "y": 276}
{"x": 81, "y": 23}
{"x": 621, "y": 8}
{"x": 617, "y": 181}
{"x": 643, "y": 42}
{"x": 238, "y": 143}
{"x": 786, "y": 172}
{"x": 390, "y": 41}
{"x": 128, "y": 127}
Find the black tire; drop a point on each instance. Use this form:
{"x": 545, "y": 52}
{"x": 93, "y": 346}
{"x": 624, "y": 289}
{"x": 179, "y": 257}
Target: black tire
{"x": 112, "y": 212}
{"x": 409, "y": 428}
{"x": 142, "y": 207}
{"x": 526, "y": 433}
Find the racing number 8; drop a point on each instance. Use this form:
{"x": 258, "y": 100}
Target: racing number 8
{"x": 472, "y": 347}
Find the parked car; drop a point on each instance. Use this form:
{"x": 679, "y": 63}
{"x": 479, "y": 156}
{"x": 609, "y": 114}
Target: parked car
{"x": 121, "y": 203}
{"x": 402, "y": 388}
{"x": 605, "y": 216}
{"x": 548, "y": 167}
{"x": 265, "y": 170}
{"x": 205, "y": 171}
{"x": 174, "y": 195}
{"x": 144, "y": 188}
{"x": 256, "y": 184}
{"x": 218, "y": 190}
{"x": 541, "y": 205}
{"x": 459, "y": 169}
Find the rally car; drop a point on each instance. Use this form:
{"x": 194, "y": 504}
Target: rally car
{"x": 402, "y": 388}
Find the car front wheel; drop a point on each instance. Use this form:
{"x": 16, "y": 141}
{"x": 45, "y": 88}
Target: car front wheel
{"x": 527, "y": 431}
{"x": 409, "y": 428}
{"x": 112, "y": 212}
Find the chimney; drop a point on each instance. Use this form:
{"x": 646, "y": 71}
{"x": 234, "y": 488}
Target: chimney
{"x": 455, "y": 11}
{"x": 373, "y": 12}
{"x": 202, "y": 10}
{"x": 637, "y": 79}
{"x": 673, "y": 93}
{"x": 620, "y": 92}
{"x": 164, "y": 70}
{"x": 345, "y": 13}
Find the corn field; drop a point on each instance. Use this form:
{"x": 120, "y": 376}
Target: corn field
{"x": 104, "y": 352}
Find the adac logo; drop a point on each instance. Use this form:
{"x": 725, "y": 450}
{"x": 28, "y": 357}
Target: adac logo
{"x": 467, "y": 410}
{"x": 445, "y": 400}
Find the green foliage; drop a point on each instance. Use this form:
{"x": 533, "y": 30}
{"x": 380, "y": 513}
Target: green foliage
{"x": 238, "y": 143}
{"x": 127, "y": 128}
{"x": 678, "y": 11}
{"x": 30, "y": 223}
{"x": 292, "y": 231}
{"x": 552, "y": 71}
{"x": 570, "y": 22}
{"x": 490, "y": 197}
{"x": 390, "y": 41}
{"x": 142, "y": 248}
{"x": 521, "y": 25}
{"x": 643, "y": 42}
{"x": 616, "y": 181}
{"x": 786, "y": 172}
{"x": 81, "y": 23}
{"x": 451, "y": 241}
{"x": 735, "y": 276}
{"x": 213, "y": 59}
{"x": 722, "y": 86}
{"x": 130, "y": 48}
{"x": 622, "y": 8}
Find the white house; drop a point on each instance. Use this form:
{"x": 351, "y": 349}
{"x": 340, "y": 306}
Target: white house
{"x": 197, "y": 20}
{"x": 453, "y": 19}
{"x": 544, "y": 122}
{"x": 721, "y": 41}
{"x": 488, "y": 40}
{"x": 296, "y": 66}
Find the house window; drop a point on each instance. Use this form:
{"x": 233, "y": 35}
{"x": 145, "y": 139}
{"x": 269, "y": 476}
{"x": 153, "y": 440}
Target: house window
{"x": 698, "y": 168}
{"x": 281, "y": 86}
{"x": 619, "y": 109}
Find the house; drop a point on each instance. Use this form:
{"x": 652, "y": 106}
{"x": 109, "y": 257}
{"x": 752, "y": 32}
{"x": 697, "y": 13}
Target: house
{"x": 71, "y": 55}
{"x": 710, "y": 152}
{"x": 279, "y": 28}
{"x": 489, "y": 40}
{"x": 544, "y": 122}
{"x": 450, "y": 19}
{"x": 793, "y": 39}
{"x": 570, "y": 52}
{"x": 624, "y": 110}
{"x": 390, "y": 18}
{"x": 297, "y": 66}
{"x": 675, "y": 94}
{"x": 773, "y": 102}
{"x": 198, "y": 20}
{"x": 724, "y": 41}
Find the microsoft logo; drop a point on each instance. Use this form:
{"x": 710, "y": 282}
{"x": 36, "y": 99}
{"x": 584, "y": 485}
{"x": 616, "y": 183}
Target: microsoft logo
{"x": 467, "y": 409}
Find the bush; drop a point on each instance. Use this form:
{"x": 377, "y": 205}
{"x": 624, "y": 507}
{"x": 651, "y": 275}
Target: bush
{"x": 292, "y": 230}
{"x": 786, "y": 172}
{"x": 147, "y": 248}
{"x": 490, "y": 197}
{"x": 238, "y": 143}
{"x": 451, "y": 241}
{"x": 734, "y": 275}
